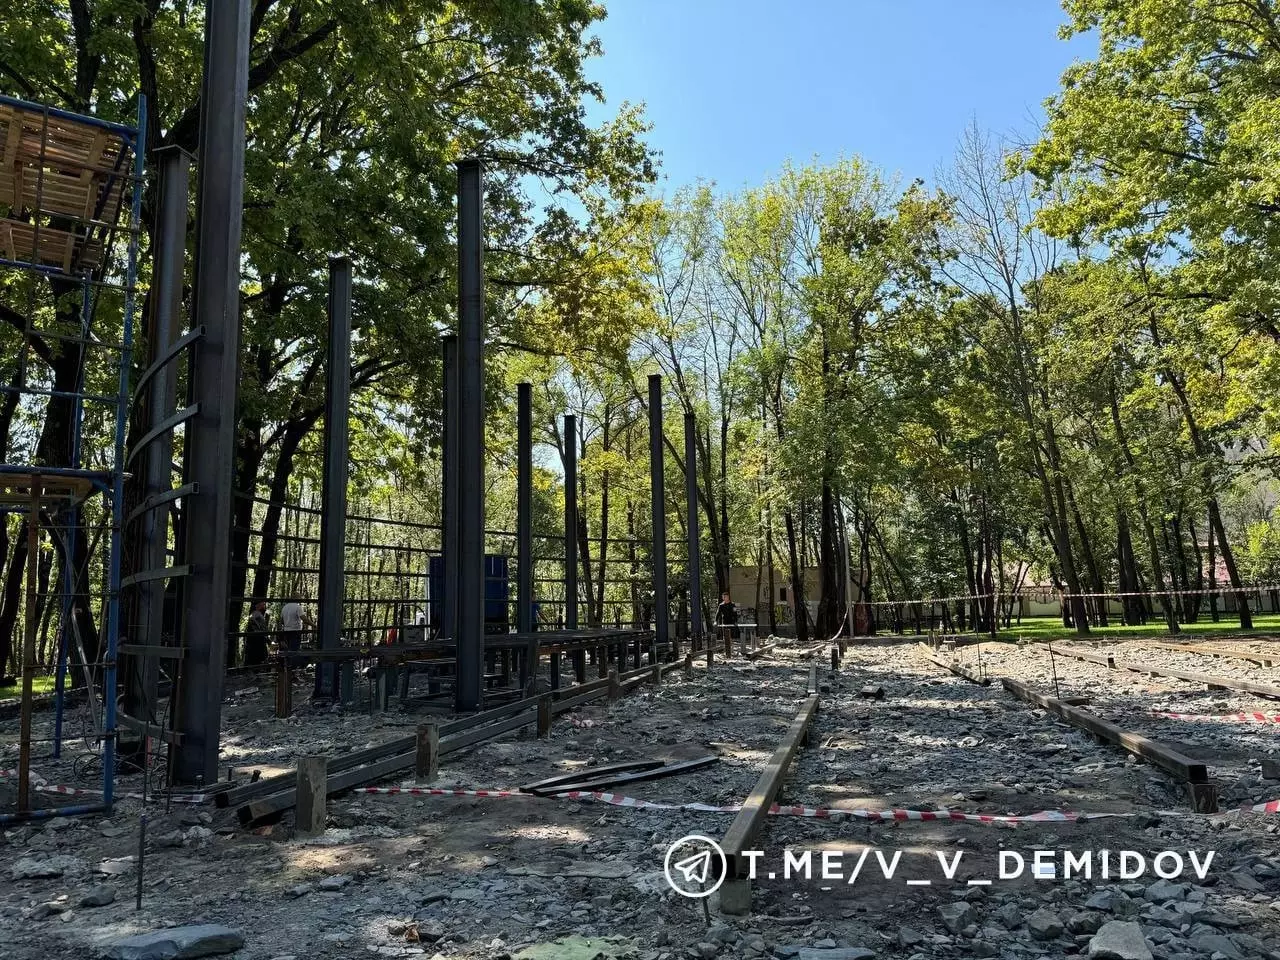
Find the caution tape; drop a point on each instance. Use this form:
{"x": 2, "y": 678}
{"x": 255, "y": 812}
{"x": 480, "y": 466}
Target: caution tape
{"x": 821, "y": 813}
{"x": 41, "y": 785}
{"x": 1220, "y": 718}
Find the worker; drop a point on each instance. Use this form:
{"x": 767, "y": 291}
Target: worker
{"x": 293, "y": 617}
{"x": 727, "y": 615}
{"x": 255, "y": 641}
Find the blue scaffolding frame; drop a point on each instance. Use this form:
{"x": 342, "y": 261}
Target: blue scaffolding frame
{"x": 66, "y": 487}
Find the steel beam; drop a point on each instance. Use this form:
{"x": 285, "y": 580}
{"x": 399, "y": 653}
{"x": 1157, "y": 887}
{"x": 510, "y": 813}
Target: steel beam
{"x": 333, "y": 521}
{"x": 658, "y": 513}
{"x": 570, "y": 522}
{"x": 470, "y": 574}
{"x": 166, "y": 318}
{"x": 449, "y": 486}
{"x": 210, "y": 437}
{"x": 691, "y": 526}
{"x": 524, "y": 508}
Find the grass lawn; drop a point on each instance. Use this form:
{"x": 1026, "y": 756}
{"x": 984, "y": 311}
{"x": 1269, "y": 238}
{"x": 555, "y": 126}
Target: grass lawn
{"x": 39, "y": 685}
{"x": 1051, "y": 628}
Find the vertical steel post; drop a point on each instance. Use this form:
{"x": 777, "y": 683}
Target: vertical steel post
{"x": 524, "y": 530}
{"x": 658, "y": 513}
{"x": 471, "y": 559}
{"x": 524, "y": 507}
{"x": 210, "y": 455}
{"x": 691, "y": 525}
{"x": 570, "y": 522}
{"x": 449, "y": 487}
{"x": 170, "y": 257}
{"x": 333, "y": 493}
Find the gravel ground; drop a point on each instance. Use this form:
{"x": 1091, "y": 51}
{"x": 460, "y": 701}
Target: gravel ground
{"x": 535, "y": 878}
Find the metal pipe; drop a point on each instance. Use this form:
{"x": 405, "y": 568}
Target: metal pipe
{"x": 524, "y": 507}
{"x": 449, "y": 487}
{"x": 333, "y": 521}
{"x": 658, "y": 513}
{"x": 570, "y": 522}
{"x": 691, "y": 526}
{"x": 471, "y": 556}
{"x": 211, "y": 436}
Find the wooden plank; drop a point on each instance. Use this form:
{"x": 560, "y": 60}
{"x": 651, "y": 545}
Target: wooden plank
{"x": 735, "y": 894}
{"x": 1208, "y": 680}
{"x": 313, "y": 781}
{"x": 958, "y": 669}
{"x": 593, "y": 784}
{"x": 1233, "y": 653}
{"x": 623, "y": 766}
{"x": 155, "y": 730}
{"x": 1167, "y": 758}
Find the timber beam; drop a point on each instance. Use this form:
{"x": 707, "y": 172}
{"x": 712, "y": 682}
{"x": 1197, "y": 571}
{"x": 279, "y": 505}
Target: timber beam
{"x": 735, "y": 894}
{"x": 1190, "y": 771}
{"x": 1233, "y": 653}
{"x": 1209, "y": 681}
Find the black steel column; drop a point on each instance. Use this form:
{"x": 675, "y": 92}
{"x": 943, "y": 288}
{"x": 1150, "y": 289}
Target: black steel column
{"x": 658, "y": 513}
{"x": 524, "y": 529}
{"x": 333, "y": 521}
{"x": 449, "y": 487}
{"x": 570, "y": 522}
{"x": 166, "y": 311}
{"x": 210, "y": 438}
{"x": 691, "y": 525}
{"x": 470, "y": 610}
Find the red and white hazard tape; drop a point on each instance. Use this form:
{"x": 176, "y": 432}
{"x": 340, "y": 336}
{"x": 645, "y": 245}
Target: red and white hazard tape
{"x": 823, "y": 813}
{"x": 41, "y": 785}
{"x": 1220, "y": 718}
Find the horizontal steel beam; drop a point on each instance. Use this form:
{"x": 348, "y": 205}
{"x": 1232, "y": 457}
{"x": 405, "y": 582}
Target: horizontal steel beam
{"x": 1224, "y": 683}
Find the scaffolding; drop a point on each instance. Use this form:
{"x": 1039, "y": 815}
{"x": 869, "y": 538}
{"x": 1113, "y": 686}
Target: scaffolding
{"x": 67, "y": 181}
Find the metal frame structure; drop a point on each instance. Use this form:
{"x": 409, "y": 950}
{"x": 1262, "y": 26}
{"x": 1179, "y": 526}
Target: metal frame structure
{"x": 69, "y": 176}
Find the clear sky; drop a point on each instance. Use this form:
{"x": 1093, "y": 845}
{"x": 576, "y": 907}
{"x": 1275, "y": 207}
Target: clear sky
{"x": 734, "y": 88}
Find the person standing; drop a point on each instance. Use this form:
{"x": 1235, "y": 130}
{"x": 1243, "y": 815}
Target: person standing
{"x": 255, "y": 641}
{"x": 727, "y": 615}
{"x": 292, "y": 619}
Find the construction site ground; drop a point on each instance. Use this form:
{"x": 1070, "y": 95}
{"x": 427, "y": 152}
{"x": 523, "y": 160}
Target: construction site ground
{"x": 524, "y": 877}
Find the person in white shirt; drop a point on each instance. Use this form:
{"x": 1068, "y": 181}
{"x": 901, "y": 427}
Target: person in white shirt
{"x": 292, "y": 619}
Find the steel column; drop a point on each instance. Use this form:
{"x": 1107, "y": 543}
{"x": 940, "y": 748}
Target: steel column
{"x": 658, "y": 513}
{"x": 471, "y": 565}
{"x": 691, "y": 525}
{"x": 570, "y": 522}
{"x": 524, "y": 529}
{"x": 333, "y": 495}
{"x": 210, "y": 436}
{"x": 170, "y": 257}
{"x": 449, "y": 486}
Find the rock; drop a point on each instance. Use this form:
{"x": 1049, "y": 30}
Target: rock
{"x": 955, "y": 916}
{"x": 908, "y": 937}
{"x": 1119, "y": 940}
{"x": 1044, "y": 924}
{"x": 1102, "y": 900}
{"x": 1164, "y": 890}
{"x": 1084, "y": 922}
{"x": 98, "y": 897}
{"x": 1209, "y": 944}
{"x": 335, "y": 882}
{"x": 1009, "y": 916}
{"x": 178, "y": 943}
{"x": 705, "y": 950}
{"x": 298, "y": 890}
{"x": 171, "y": 839}
{"x": 722, "y": 933}
{"x": 838, "y": 953}
{"x": 1245, "y": 882}
{"x": 43, "y": 868}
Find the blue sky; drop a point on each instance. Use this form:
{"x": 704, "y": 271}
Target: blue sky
{"x": 734, "y": 88}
